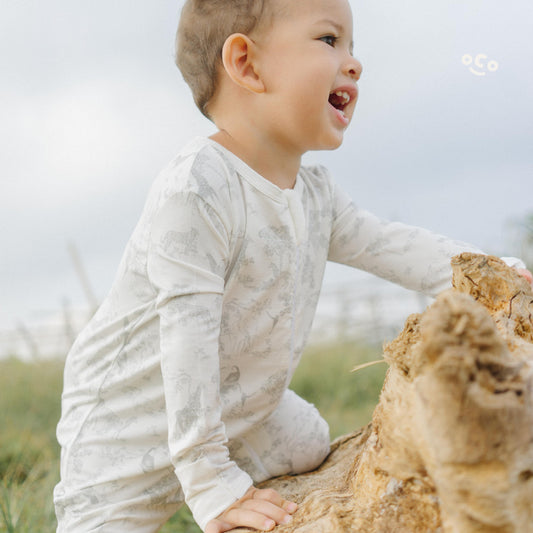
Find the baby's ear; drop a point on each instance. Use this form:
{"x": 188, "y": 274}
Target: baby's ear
{"x": 238, "y": 55}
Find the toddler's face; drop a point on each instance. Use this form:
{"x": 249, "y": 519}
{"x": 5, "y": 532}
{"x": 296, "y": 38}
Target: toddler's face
{"x": 310, "y": 75}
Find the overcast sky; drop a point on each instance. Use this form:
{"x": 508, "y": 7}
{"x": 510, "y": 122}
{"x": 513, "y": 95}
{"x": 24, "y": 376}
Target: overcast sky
{"x": 92, "y": 107}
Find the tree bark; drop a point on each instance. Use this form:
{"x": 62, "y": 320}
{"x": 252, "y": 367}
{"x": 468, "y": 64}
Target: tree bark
{"x": 450, "y": 445}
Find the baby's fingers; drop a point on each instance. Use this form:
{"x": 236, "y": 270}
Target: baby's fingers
{"x": 248, "y": 517}
{"x": 258, "y": 509}
{"x": 268, "y": 509}
{"x": 526, "y": 274}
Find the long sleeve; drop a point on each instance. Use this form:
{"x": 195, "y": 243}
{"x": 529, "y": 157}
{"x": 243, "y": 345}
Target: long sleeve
{"x": 413, "y": 257}
{"x": 188, "y": 255}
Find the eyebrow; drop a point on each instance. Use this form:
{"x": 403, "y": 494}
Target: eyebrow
{"x": 334, "y": 23}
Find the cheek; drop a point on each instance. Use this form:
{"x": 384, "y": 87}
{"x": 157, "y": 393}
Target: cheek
{"x": 277, "y": 70}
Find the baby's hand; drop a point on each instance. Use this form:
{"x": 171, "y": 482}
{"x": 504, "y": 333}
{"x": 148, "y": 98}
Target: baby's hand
{"x": 258, "y": 509}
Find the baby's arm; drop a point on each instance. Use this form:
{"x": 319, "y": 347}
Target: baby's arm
{"x": 413, "y": 257}
{"x": 258, "y": 509}
{"x": 188, "y": 255}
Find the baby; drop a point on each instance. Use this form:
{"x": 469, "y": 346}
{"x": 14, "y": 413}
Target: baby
{"x": 177, "y": 389}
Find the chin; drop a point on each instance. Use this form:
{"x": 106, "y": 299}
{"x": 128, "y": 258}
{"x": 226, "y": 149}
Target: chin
{"x": 332, "y": 143}
{"x": 330, "y": 140}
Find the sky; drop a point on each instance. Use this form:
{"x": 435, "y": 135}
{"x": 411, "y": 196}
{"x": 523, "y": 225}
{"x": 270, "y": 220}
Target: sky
{"x": 92, "y": 107}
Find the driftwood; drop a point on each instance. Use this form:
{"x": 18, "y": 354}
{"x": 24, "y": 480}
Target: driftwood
{"x": 450, "y": 445}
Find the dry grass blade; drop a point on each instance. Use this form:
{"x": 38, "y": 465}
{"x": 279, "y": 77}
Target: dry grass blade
{"x": 366, "y": 365}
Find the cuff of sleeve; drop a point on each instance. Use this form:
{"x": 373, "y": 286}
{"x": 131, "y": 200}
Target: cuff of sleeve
{"x": 513, "y": 262}
{"x": 212, "y": 494}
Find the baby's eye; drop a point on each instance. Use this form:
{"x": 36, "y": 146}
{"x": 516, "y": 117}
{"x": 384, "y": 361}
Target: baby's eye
{"x": 329, "y": 39}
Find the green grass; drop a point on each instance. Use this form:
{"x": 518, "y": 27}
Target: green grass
{"x": 30, "y": 408}
{"x": 29, "y": 454}
{"x": 345, "y": 399}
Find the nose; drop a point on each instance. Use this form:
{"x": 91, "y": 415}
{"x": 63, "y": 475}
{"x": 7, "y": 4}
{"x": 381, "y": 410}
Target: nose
{"x": 353, "y": 68}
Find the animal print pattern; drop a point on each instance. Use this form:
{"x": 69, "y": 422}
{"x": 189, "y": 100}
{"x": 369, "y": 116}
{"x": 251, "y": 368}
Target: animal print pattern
{"x": 196, "y": 342}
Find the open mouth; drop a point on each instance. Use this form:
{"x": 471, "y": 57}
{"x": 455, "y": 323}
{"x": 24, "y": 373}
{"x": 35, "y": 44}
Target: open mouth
{"x": 339, "y": 100}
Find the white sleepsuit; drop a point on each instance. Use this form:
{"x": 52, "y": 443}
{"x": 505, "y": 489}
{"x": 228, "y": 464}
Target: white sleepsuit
{"x": 197, "y": 341}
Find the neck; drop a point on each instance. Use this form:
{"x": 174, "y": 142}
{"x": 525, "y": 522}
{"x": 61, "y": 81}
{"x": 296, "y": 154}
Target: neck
{"x": 275, "y": 163}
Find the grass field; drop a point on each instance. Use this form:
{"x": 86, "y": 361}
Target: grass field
{"x": 30, "y": 408}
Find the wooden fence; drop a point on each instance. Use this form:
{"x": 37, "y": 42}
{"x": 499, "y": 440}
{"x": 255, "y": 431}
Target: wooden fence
{"x": 370, "y": 310}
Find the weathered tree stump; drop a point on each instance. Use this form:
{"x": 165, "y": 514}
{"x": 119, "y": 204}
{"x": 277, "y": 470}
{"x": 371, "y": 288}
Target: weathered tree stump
{"x": 450, "y": 445}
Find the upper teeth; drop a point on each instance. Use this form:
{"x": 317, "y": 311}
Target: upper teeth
{"x": 344, "y": 95}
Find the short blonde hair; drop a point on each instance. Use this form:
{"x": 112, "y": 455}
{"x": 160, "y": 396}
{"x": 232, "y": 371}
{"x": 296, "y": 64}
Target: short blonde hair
{"x": 203, "y": 29}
